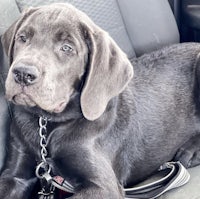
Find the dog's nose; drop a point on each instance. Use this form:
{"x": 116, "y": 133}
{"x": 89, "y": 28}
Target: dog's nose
{"x": 25, "y": 75}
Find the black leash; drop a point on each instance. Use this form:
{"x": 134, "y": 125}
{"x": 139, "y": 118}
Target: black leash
{"x": 176, "y": 176}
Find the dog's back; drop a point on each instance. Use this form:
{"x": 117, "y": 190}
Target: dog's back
{"x": 164, "y": 108}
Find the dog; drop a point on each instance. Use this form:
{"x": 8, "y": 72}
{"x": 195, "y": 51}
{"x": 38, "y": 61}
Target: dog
{"x": 111, "y": 122}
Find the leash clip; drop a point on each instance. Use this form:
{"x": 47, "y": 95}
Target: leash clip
{"x": 42, "y": 170}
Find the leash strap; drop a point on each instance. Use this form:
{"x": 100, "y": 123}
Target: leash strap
{"x": 177, "y": 175}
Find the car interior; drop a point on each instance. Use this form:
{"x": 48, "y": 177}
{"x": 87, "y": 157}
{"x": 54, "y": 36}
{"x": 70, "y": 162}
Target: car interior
{"x": 138, "y": 27}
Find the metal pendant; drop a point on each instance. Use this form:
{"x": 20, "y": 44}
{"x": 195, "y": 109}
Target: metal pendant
{"x": 62, "y": 184}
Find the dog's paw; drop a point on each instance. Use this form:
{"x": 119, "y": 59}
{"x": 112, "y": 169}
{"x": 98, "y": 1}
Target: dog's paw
{"x": 189, "y": 158}
{"x": 189, "y": 153}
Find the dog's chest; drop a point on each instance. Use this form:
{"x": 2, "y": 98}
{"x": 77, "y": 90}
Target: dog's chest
{"x": 67, "y": 152}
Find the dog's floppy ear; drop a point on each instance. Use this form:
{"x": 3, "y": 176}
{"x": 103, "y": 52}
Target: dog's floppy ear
{"x": 109, "y": 71}
{"x": 8, "y": 38}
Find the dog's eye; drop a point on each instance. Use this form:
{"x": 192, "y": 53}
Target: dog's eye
{"x": 66, "y": 48}
{"x": 23, "y": 38}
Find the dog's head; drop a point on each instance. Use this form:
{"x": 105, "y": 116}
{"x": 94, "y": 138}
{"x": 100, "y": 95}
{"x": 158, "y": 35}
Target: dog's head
{"x": 50, "y": 49}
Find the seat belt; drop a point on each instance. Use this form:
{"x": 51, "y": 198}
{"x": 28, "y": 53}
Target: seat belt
{"x": 176, "y": 176}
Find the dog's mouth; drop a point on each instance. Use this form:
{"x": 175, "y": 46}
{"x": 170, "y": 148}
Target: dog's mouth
{"x": 60, "y": 107}
{"x": 23, "y": 99}
{"x": 26, "y": 100}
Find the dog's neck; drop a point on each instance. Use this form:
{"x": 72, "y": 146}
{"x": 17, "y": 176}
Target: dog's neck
{"x": 71, "y": 112}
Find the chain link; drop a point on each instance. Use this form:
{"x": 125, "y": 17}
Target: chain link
{"x": 43, "y": 169}
{"x": 44, "y": 166}
{"x": 43, "y": 139}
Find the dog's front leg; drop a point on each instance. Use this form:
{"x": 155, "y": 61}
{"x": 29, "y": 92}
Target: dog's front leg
{"x": 102, "y": 183}
{"x": 98, "y": 193}
{"x": 16, "y": 188}
{"x": 17, "y": 178}
{"x": 189, "y": 153}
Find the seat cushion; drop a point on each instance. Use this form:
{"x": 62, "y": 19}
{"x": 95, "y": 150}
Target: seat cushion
{"x": 8, "y": 14}
{"x": 150, "y": 25}
{"x": 5, "y": 111}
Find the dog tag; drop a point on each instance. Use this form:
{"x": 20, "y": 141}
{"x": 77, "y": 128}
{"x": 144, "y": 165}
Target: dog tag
{"x": 49, "y": 184}
{"x": 58, "y": 182}
{"x": 62, "y": 184}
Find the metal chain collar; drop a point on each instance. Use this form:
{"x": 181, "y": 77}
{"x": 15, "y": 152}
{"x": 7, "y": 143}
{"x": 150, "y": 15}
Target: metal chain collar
{"x": 43, "y": 169}
{"x": 44, "y": 166}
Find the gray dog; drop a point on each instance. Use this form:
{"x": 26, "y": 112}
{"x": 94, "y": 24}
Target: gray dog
{"x": 108, "y": 126}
